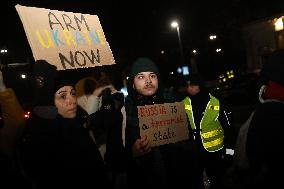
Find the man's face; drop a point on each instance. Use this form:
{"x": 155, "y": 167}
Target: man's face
{"x": 146, "y": 83}
{"x": 193, "y": 89}
{"x": 66, "y": 102}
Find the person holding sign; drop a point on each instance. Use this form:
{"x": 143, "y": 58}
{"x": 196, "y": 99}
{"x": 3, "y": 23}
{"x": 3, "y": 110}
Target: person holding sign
{"x": 214, "y": 134}
{"x": 165, "y": 166}
{"x": 12, "y": 125}
{"x": 57, "y": 150}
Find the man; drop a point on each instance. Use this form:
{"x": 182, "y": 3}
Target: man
{"x": 167, "y": 166}
{"x": 213, "y": 133}
{"x": 265, "y": 133}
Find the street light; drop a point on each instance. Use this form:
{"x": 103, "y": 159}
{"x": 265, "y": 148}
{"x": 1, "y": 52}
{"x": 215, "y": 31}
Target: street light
{"x": 212, "y": 37}
{"x": 3, "y": 51}
{"x": 175, "y": 24}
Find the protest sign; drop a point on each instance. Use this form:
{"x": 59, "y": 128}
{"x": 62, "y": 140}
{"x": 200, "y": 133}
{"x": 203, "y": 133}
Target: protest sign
{"x": 163, "y": 123}
{"x": 65, "y": 39}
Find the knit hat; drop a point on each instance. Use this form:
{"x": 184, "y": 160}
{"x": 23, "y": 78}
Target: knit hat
{"x": 195, "y": 79}
{"x": 143, "y": 65}
{"x": 63, "y": 79}
{"x": 61, "y": 82}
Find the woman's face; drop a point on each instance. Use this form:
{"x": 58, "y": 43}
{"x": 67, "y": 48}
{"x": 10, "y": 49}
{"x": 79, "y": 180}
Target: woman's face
{"x": 66, "y": 102}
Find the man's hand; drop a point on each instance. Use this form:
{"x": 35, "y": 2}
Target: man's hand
{"x": 141, "y": 147}
{"x": 2, "y": 84}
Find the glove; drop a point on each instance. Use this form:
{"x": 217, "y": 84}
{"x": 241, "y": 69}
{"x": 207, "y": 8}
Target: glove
{"x": 230, "y": 151}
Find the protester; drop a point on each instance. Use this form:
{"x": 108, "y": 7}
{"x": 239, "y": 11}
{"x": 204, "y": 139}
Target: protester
{"x": 91, "y": 100}
{"x": 214, "y": 134}
{"x": 264, "y": 137}
{"x": 102, "y": 99}
{"x": 13, "y": 124}
{"x": 166, "y": 166}
{"x": 13, "y": 118}
{"x": 57, "y": 150}
{"x": 110, "y": 117}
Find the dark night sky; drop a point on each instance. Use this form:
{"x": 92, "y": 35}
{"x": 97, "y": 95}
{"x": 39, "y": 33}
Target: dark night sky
{"x": 142, "y": 28}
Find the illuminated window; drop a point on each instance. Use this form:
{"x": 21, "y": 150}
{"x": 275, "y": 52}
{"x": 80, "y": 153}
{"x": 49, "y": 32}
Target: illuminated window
{"x": 278, "y": 24}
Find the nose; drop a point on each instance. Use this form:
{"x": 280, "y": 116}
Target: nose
{"x": 72, "y": 100}
{"x": 148, "y": 80}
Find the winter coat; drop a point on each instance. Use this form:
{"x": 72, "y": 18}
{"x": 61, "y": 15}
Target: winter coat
{"x": 13, "y": 122}
{"x": 265, "y": 143}
{"x": 59, "y": 152}
{"x": 166, "y": 166}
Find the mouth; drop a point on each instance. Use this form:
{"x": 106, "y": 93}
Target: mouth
{"x": 73, "y": 109}
{"x": 149, "y": 87}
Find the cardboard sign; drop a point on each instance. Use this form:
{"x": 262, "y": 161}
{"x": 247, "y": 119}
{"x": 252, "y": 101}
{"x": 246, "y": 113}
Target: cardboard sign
{"x": 65, "y": 39}
{"x": 163, "y": 123}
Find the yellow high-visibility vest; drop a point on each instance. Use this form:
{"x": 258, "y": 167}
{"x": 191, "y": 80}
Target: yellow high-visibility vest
{"x": 211, "y": 131}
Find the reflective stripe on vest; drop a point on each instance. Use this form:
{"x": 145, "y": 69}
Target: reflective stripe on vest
{"x": 213, "y": 143}
{"x": 212, "y": 134}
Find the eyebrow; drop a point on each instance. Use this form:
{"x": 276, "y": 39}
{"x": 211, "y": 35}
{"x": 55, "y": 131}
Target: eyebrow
{"x": 61, "y": 92}
{"x": 144, "y": 73}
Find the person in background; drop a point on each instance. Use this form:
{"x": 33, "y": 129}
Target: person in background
{"x": 56, "y": 149}
{"x": 91, "y": 100}
{"x": 110, "y": 118}
{"x": 13, "y": 124}
{"x": 265, "y": 132}
{"x": 214, "y": 134}
{"x": 13, "y": 117}
{"x": 167, "y": 166}
{"x": 105, "y": 102}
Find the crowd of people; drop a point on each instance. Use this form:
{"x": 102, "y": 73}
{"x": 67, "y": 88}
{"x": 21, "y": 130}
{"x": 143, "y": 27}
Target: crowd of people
{"x": 94, "y": 139}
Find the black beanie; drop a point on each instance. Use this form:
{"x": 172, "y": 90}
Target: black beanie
{"x": 195, "y": 79}
{"x": 61, "y": 83}
{"x": 143, "y": 65}
{"x": 66, "y": 78}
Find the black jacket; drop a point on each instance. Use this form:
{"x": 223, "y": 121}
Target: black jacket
{"x": 265, "y": 143}
{"x": 109, "y": 124}
{"x": 59, "y": 152}
{"x": 166, "y": 166}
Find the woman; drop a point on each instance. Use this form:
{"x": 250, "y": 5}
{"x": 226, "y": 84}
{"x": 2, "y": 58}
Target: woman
{"x": 58, "y": 151}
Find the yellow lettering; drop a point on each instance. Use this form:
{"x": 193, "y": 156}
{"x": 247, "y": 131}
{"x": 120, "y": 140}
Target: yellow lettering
{"x": 42, "y": 42}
